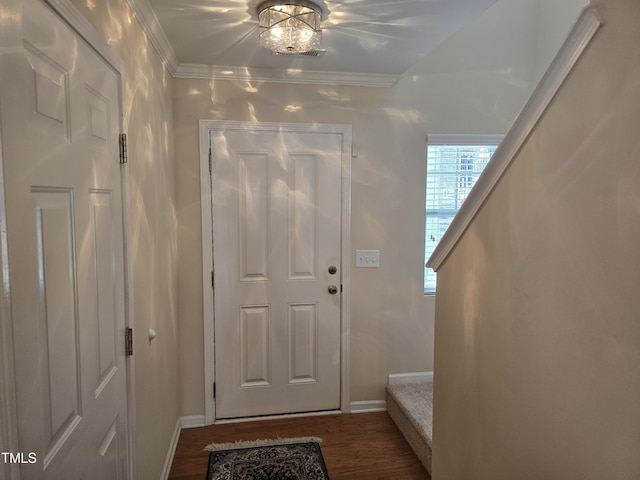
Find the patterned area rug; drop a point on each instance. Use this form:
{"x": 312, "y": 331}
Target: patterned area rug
{"x": 281, "y": 459}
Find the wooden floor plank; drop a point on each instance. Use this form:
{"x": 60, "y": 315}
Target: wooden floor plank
{"x": 365, "y": 446}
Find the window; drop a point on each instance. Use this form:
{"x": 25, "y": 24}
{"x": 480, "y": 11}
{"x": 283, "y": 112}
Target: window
{"x": 454, "y": 164}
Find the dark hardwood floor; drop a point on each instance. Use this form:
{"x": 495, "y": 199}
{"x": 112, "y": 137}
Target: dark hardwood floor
{"x": 355, "y": 446}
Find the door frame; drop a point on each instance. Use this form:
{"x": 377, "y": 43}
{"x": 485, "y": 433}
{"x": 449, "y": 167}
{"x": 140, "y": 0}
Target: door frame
{"x": 206, "y": 195}
{"x": 70, "y": 15}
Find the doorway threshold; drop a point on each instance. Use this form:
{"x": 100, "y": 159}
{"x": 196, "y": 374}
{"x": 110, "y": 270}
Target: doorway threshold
{"x": 223, "y": 421}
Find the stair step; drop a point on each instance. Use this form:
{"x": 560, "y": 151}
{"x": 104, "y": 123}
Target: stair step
{"x": 410, "y": 405}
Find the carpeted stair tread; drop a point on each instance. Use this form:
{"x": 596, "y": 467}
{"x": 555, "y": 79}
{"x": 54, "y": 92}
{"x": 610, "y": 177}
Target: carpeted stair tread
{"x": 416, "y": 401}
{"x": 411, "y": 408}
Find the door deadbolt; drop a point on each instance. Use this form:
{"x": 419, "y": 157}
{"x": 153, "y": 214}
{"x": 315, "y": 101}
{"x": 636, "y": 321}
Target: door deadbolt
{"x": 333, "y": 269}
{"x": 333, "y": 289}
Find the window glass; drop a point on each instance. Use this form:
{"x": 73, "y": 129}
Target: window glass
{"x": 452, "y": 171}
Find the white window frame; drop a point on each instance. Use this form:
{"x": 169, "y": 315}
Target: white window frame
{"x": 450, "y": 140}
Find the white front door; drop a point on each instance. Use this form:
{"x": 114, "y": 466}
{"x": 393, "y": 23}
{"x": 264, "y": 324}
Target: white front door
{"x": 60, "y": 121}
{"x": 276, "y": 241}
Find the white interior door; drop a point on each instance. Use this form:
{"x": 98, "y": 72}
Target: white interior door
{"x": 276, "y": 241}
{"x": 65, "y": 244}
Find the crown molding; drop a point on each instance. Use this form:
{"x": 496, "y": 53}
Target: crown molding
{"x": 583, "y": 31}
{"x": 215, "y": 72}
{"x": 151, "y": 26}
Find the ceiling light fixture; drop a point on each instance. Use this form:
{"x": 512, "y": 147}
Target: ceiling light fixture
{"x": 290, "y": 26}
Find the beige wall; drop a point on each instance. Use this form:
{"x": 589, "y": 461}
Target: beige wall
{"x": 472, "y": 83}
{"x": 388, "y": 313}
{"x": 537, "y": 358}
{"x": 149, "y": 124}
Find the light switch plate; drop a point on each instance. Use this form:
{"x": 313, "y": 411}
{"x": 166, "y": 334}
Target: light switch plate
{"x": 367, "y": 258}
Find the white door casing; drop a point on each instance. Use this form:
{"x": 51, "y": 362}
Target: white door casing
{"x": 65, "y": 248}
{"x": 284, "y": 346}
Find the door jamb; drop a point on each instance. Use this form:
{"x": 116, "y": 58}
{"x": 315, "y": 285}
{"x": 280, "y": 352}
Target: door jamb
{"x": 208, "y": 126}
{"x": 69, "y": 14}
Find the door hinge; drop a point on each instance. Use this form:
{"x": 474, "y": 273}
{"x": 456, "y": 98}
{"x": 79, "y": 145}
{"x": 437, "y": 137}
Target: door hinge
{"x": 123, "y": 148}
{"x": 213, "y": 281}
{"x": 214, "y": 389}
{"x": 128, "y": 342}
{"x": 210, "y": 161}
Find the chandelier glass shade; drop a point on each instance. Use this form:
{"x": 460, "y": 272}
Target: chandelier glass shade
{"x": 290, "y": 27}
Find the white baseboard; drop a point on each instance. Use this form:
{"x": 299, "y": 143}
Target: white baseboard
{"x": 192, "y": 421}
{"x": 414, "y": 377}
{"x": 171, "y": 452}
{"x": 368, "y": 406}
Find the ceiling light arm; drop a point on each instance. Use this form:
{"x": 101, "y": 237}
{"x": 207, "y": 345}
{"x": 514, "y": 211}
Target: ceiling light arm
{"x": 297, "y": 17}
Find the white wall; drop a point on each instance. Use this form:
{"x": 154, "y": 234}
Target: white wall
{"x": 553, "y": 18}
{"x": 475, "y": 82}
{"x": 537, "y": 358}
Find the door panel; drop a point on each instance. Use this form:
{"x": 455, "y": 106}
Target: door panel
{"x": 104, "y": 284}
{"x": 302, "y": 217}
{"x": 276, "y": 214}
{"x": 253, "y": 216}
{"x": 109, "y": 454}
{"x": 57, "y": 314}
{"x": 254, "y": 346}
{"x": 303, "y": 338}
{"x": 65, "y": 245}
{"x": 49, "y": 95}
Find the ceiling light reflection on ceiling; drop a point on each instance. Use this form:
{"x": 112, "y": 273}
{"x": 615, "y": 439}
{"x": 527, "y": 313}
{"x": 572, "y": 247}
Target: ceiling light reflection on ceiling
{"x": 290, "y": 26}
